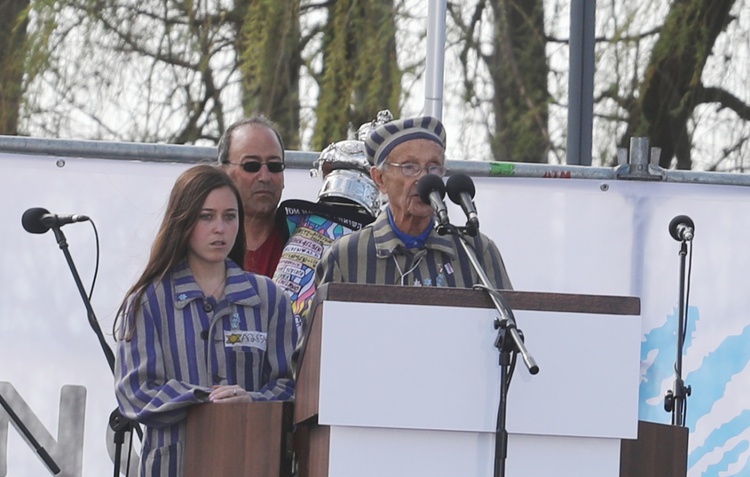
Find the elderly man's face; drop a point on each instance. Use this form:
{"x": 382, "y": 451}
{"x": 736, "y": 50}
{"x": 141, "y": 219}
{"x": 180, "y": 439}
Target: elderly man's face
{"x": 409, "y": 212}
{"x": 260, "y": 191}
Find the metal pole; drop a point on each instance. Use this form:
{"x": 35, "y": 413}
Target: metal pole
{"x": 581, "y": 82}
{"x": 433, "y": 78}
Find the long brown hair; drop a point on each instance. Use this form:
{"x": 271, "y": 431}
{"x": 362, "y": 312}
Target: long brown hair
{"x": 171, "y": 244}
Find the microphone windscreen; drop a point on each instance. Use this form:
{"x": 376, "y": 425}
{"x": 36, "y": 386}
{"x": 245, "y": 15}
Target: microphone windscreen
{"x": 680, "y": 219}
{"x": 460, "y": 183}
{"x": 430, "y": 183}
{"x": 32, "y": 220}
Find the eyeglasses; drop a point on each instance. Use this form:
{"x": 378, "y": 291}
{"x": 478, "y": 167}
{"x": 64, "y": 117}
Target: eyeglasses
{"x": 254, "y": 166}
{"x": 411, "y": 169}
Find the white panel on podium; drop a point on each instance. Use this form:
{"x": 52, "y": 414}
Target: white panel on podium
{"x": 546, "y": 456}
{"x": 381, "y": 452}
{"x": 436, "y": 368}
{"x": 378, "y": 452}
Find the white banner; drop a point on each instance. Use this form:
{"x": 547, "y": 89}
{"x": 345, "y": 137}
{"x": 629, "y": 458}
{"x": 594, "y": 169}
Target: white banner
{"x": 556, "y": 235}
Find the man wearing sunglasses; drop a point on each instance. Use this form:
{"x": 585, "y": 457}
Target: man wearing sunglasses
{"x": 252, "y": 152}
{"x": 402, "y": 247}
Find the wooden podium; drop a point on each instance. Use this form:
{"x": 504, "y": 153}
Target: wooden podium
{"x": 405, "y": 381}
{"x": 239, "y": 440}
{"x": 659, "y": 451}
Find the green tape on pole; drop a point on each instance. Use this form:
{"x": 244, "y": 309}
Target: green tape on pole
{"x": 502, "y": 169}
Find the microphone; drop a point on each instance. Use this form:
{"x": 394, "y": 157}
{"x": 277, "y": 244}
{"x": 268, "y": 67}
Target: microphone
{"x": 432, "y": 190}
{"x": 682, "y": 228}
{"x": 37, "y": 220}
{"x": 461, "y": 191}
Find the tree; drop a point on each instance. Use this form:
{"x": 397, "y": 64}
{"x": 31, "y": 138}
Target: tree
{"x": 270, "y": 58}
{"x": 360, "y": 72}
{"x": 175, "y": 71}
{"x": 516, "y": 64}
{"x": 650, "y": 58}
{"x": 13, "y": 23}
{"x": 672, "y": 87}
{"x": 521, "y": 99}
{"x": 166, "y": 71}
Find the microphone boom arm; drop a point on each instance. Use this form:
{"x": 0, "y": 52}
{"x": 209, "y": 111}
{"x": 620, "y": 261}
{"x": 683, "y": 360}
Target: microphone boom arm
{"x": 507, "y": 320}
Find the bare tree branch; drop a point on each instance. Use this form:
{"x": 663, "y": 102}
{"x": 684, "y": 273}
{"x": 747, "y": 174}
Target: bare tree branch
{"x": 725, "y": 99}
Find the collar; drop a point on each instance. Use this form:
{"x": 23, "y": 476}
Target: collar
{"x": 410, "y": 241}
{"x": 387, "y": 241}
{"x": 238, "y": 289}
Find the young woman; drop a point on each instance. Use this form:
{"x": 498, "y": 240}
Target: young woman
{"x": 195, "y": 328}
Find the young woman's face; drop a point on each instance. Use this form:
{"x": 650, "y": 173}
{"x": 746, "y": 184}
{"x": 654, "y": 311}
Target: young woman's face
{"x": 214, "y": 233}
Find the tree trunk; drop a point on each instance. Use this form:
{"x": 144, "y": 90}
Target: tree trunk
{"x": 270, "y": 59}
{"x": 672, "y": 82}
{"x": 13, "y": 24}
{"x": 518, "y": 69}
{"x": 360, "y": 73}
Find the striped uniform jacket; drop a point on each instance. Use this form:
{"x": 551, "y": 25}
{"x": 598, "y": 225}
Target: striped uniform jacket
{"x": 376, "y": 255}
{"x": 184, "y": 343}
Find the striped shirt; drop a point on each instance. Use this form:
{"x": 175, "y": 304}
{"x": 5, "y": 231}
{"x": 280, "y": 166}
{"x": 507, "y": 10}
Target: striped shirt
{"x": 184, "y": 343}
{"x": 376, "y": 255}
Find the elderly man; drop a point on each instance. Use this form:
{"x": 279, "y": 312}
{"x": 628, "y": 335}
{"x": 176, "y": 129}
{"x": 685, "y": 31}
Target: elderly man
{"x": 402, "y": 247}
{"x": 252, "y": 152}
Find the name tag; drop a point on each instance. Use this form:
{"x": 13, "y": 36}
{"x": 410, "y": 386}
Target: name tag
{"x": 253, "y": 339}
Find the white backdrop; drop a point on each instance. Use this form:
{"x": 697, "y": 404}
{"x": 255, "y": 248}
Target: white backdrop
{"x": 556, "y": 235}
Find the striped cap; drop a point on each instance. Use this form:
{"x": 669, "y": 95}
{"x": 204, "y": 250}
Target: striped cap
{"x": 385, "y": 137}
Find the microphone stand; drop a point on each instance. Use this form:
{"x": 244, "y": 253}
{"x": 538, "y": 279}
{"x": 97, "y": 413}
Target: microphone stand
{"x": 119, "y": 423}
{"x": 48, "y": 460}
{"x": 509, "y": 342}
{"x": 674, "y": 400}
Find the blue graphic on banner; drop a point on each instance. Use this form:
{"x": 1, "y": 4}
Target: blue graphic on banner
{"x": 723, "y": 452}
{"x": 658, "y": 354}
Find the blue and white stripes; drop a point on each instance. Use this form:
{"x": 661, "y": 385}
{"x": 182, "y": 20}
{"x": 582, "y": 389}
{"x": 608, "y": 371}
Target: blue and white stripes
{"x": 383, "y": 139}
{"x": 376, "y": 255}
{"x": 185, "y": 343}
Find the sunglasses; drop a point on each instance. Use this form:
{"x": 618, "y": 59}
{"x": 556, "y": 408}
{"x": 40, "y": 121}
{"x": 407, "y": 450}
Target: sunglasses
{"x": 254, "y": 166}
